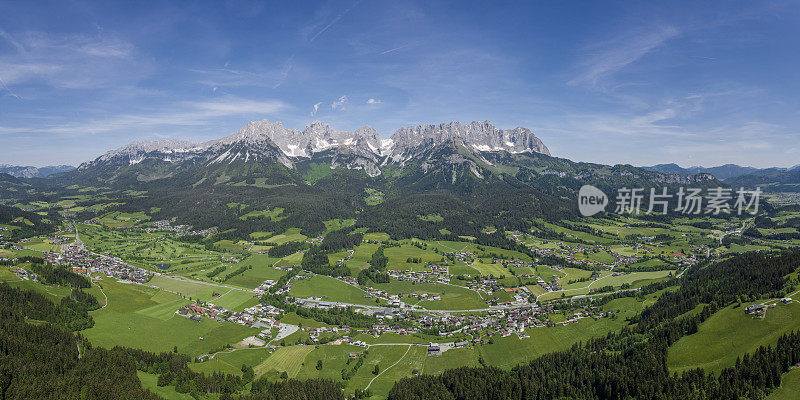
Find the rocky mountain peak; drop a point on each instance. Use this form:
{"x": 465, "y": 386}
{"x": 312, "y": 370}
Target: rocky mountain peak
{"x": 480, "y": 136}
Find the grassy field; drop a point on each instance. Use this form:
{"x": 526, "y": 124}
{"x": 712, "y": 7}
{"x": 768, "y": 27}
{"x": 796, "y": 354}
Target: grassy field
{"x": 150, "y": 382}
{"x": 510, "y": 351}
{"x": 454, "y": 358}
{"x": 291, "y": 235}
{"x": 790, "y": 387}
{"x": 149, "y": 249}
{"x": 231, "y": 362}
{"x": 580, "y": 288}
{"x": 572, "y": 274}
{"x": 143, "y": 317}
{"x": 334, "y": 359}
{"x": 288, "y": 359}
{"x": 398, "y": 256}
{"x": 453, "y": 297}
{"x": 334, "y": 289}
{"x": 632, "y": 278}
{"x": 261, "y": 270}
{"x": 407, "y": 359}
{"x": 496, "y": 270}
{"x": 729, "y": 334}
{"x": 462, "y": 270}
{"x": 52, "y": 292}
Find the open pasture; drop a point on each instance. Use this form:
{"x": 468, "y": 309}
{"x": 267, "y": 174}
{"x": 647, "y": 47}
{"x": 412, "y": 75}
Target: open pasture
{"x": 140, "y": 317}
{"x": 729, "y": 334}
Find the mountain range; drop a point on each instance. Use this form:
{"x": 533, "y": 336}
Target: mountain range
{"x": 721, "y": 172}
{"x": 452, "y": 156}
{"x": 362, "y": 149}
{"x": 471, "y": 175}
{"x": 34, "y": 172}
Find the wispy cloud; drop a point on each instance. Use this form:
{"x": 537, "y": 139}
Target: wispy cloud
{"x": 612, "y": 56}
{"x": 287, "y": 67}
{"x": 374, "y": 101}
{"x": 184, "y": 114}
{"x": 67, "y": 61}
{"x": 394, "y": 49}
{"x": 316, "y": 108}
{"x": 238, "y": 77}
{"x": 340, "y": 104}
{"x": 10, "y": 39}
{"x": 10, "y": 92}
{"x": 334, "y": 21}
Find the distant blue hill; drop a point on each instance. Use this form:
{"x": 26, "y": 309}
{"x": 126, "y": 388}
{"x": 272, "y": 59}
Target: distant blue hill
{"x": 34, "y": 172}
{"x": 721, "y": 172}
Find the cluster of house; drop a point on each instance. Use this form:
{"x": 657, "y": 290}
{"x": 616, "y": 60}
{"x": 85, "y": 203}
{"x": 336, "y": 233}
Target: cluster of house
{"x": 484, "y": 285}
{"x": 10, "y": 245}
{"x": 521, "y": 295}
{"x": 180, "y": 230}
{"x": 461, "y": 256}
{"x": 348, "y": 279}
{"x": 425, "y": 296}
{"x": 196, "y": 311}
{"x": 436, "y": 274}
{"x": 387, "y": 312}
{"x": 263, "y": 288}
{"x": 260, "y": 316}
{"x": 86, "y": 263}
{"x": 372, "y": 292}
{"x": 377, "y": 330}
{"x": 58, "y": 239}
{"x": 504, "y": 322}
{"x": 513, "y": 262}
{"x": 346, "y": 259}
{"x": 316, "y": 240}
{"x": 436, "y": 349}
{"x": 288, "y": 285}
{"x": 314, "y": 334}
{"x": 24, "y": 274}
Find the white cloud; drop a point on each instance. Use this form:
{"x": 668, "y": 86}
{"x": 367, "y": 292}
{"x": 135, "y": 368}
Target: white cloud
{"x": 374, "y": 101}
{"x": 340, "y": 104}
{"x": 316, "y": 108}
{"x": 236, "y": 106}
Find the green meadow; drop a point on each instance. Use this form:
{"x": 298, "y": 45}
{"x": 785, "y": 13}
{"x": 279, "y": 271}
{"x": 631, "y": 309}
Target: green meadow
{"x": 332, "y": 289}
{"x": 729, "y": 334}
{"x": 143, "y": 317}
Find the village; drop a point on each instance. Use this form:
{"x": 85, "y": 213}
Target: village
{"x": 86, "y": 263}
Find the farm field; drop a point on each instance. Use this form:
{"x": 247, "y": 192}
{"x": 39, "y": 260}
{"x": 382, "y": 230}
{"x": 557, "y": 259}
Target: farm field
{"x": 394, "y": 362}
{"x": 291, "y": 235}
{"x": 330, "y": 289}
{"x": 496, "y": 270}
{"x": 285, "y": 359}
{"x": 142, "y": 317}
{"x": 453, "y": 297}
{"x": 510, "y": 351}
{"x": 262, "y": 270}
{"x": 790, "y": 386}
{"x": 729, "y": 334}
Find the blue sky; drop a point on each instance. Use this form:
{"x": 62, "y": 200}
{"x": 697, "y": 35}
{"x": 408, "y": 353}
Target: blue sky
{"x": 696, "y": 83}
